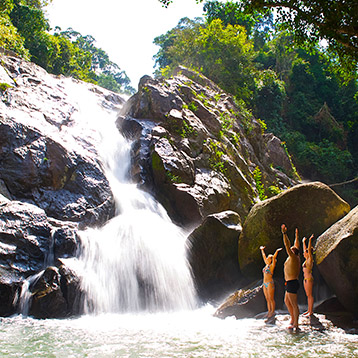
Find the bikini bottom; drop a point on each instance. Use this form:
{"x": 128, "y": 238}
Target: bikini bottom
{"x": 266, "y": 284}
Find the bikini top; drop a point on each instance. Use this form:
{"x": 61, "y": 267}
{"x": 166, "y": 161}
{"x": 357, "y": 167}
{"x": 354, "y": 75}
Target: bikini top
{"x": 266, "y": 269}
{"x": 305, "y": 266}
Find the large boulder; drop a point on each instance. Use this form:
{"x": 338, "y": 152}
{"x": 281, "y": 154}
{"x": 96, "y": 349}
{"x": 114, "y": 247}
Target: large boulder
{"x": 312, "y": 208}
{"x": 212, "y": 254}
{"x": 10, "y": 286}
{"x": 29, "y": 241}
{"x": 337, "y": 259}
{"x": 48, "y": 156}
{"x": 47, "y": 300}
{"x": 56, "y": 293}
{"x": 198, "y": 151}
{"x": 39, "y": 170}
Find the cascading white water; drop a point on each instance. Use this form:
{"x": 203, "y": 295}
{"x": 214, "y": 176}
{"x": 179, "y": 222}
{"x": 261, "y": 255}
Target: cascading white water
{"x": 137, "y": 260}
{"x": 25, "y": 294}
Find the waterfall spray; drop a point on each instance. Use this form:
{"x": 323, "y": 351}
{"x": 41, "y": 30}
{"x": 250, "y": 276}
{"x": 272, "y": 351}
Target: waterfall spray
{"x": 137, "y": 261}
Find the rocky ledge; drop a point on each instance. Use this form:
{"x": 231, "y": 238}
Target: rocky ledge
{"x": 203, "y": 156}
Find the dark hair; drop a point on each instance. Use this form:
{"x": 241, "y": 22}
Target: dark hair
{"x": 295, "y": 250}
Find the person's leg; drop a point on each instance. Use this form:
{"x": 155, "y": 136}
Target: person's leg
{"x": 292, "y": 298}
{"x": 289, "y": 307}
{"x": 310, "y": 299}
{"x": 306, "y": 291}
{"x": 271, "y": 295}
{"x": 308, "y": 286}
{"x": 267, "y": 300}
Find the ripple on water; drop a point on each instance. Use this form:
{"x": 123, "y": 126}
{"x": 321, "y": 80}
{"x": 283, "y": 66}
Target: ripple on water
{"x": 194, "y": 334}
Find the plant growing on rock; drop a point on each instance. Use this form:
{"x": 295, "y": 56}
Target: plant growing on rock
{"x": 216, "y": 159}
{"x": 259, "y": 185}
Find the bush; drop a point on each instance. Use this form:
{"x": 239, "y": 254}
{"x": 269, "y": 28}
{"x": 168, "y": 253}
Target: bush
{"x": 10, "y": 39}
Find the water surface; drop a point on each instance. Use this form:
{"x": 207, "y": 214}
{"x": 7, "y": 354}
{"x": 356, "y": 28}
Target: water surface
{"x": 177, "y": 334}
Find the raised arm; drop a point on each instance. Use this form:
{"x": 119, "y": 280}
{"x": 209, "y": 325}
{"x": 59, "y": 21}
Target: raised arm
{"x": 286, "y": 241}
{"x": 276, "y": 253}
{"x": 304, "y": 246}
{"x": 274, "y": 259}
{"x": 297, "y": 241}
{"x": 310, "y": 246}
{"x": 262, "y": 249}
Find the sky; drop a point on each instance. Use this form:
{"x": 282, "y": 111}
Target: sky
{"x": 125, "y": 29}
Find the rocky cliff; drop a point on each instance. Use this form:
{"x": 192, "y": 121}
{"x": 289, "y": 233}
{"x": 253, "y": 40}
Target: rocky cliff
{"x": 199, "y": 151}
{"x": 203, "y": 156}
{"x": 51, "y": 181}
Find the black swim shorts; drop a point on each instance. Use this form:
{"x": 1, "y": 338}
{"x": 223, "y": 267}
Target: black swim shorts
{"x": 292, "y": 286}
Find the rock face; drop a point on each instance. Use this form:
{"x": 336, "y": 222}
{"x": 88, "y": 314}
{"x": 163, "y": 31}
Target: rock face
{"x": 201, "y": 154}
{"x": 46, "y": 158}
{"x": 29, "y": 241}
{"x": 57, "y": 293}
{"x": 312, "y": 208}
{"x": 51, "y": 184}
{"x": 198, "y": 151}
{"x": 337, "y": 259}
{"x": 243, "y": 303}
{"x": 213, "y": 255}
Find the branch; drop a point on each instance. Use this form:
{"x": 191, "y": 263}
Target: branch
{"x": 343, "y": 183}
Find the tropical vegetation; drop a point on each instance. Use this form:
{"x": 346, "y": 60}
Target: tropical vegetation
{"x": 275, "y": 65}
{"x": 25, "y": 31}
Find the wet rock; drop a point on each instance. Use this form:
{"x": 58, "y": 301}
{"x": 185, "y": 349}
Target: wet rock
{"x": 312, "y": 208}
{"x": 65, "y": 240}
{"x": 47, "y": 300}
{"x": 10, "y": 286}
{"x": 338, "y": 315}
{"x": 55, "y": 293}
{"x": 243, "y": 303}
{"x": 28, "y": 238}
{"x": 43, "y": 160}
{"x": 29, "y": 241}
{"x": 71, "y": 290}
{"x": 337, "y": 259}
{"x": 212, "y": 254}
{"x": 25, "y": 236}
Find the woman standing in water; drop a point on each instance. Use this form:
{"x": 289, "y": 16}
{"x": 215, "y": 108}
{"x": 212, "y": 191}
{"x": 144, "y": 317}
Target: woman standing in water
{"x": 268, "y": 283}
{"x": 307, "y": 274}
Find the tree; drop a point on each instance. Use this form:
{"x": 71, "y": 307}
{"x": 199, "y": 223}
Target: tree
{"x": 104, "y": 72}
{"x": 314, "y": 20}
{"x": 32, "y": 26}
{"x": 222, "y": 53}
{"x": 230, "y": 13}
{"x": 10, "y": 38}
{"x": 177, "y": 46}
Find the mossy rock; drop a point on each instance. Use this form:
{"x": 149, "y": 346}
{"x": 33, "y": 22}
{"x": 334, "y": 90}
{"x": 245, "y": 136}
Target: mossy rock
{"x": 312, "y": 208}
{"x": 337, "y": 259}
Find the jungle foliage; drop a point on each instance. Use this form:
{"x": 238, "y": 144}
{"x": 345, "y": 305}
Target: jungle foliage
{"x": 25, "y": 30}
{"x": 295, "y": 89}
{"x": 309, "y": 21}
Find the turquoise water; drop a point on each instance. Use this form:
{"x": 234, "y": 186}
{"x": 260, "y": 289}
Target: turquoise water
{"x": 180, "y": 334}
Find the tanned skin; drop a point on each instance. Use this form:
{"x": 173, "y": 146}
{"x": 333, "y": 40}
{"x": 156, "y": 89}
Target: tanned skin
{"x": 292, "y": 268}
{"x": 269, "y": 288}
{"x": 307, "y": 274}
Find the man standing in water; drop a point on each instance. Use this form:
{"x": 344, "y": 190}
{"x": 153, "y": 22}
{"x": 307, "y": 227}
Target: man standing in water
{"x": 291, "y": 271}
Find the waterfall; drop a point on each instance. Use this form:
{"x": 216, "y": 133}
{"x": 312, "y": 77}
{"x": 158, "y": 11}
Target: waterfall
{"x": 25, "y": 294}
{"x": 137, "y": 261}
